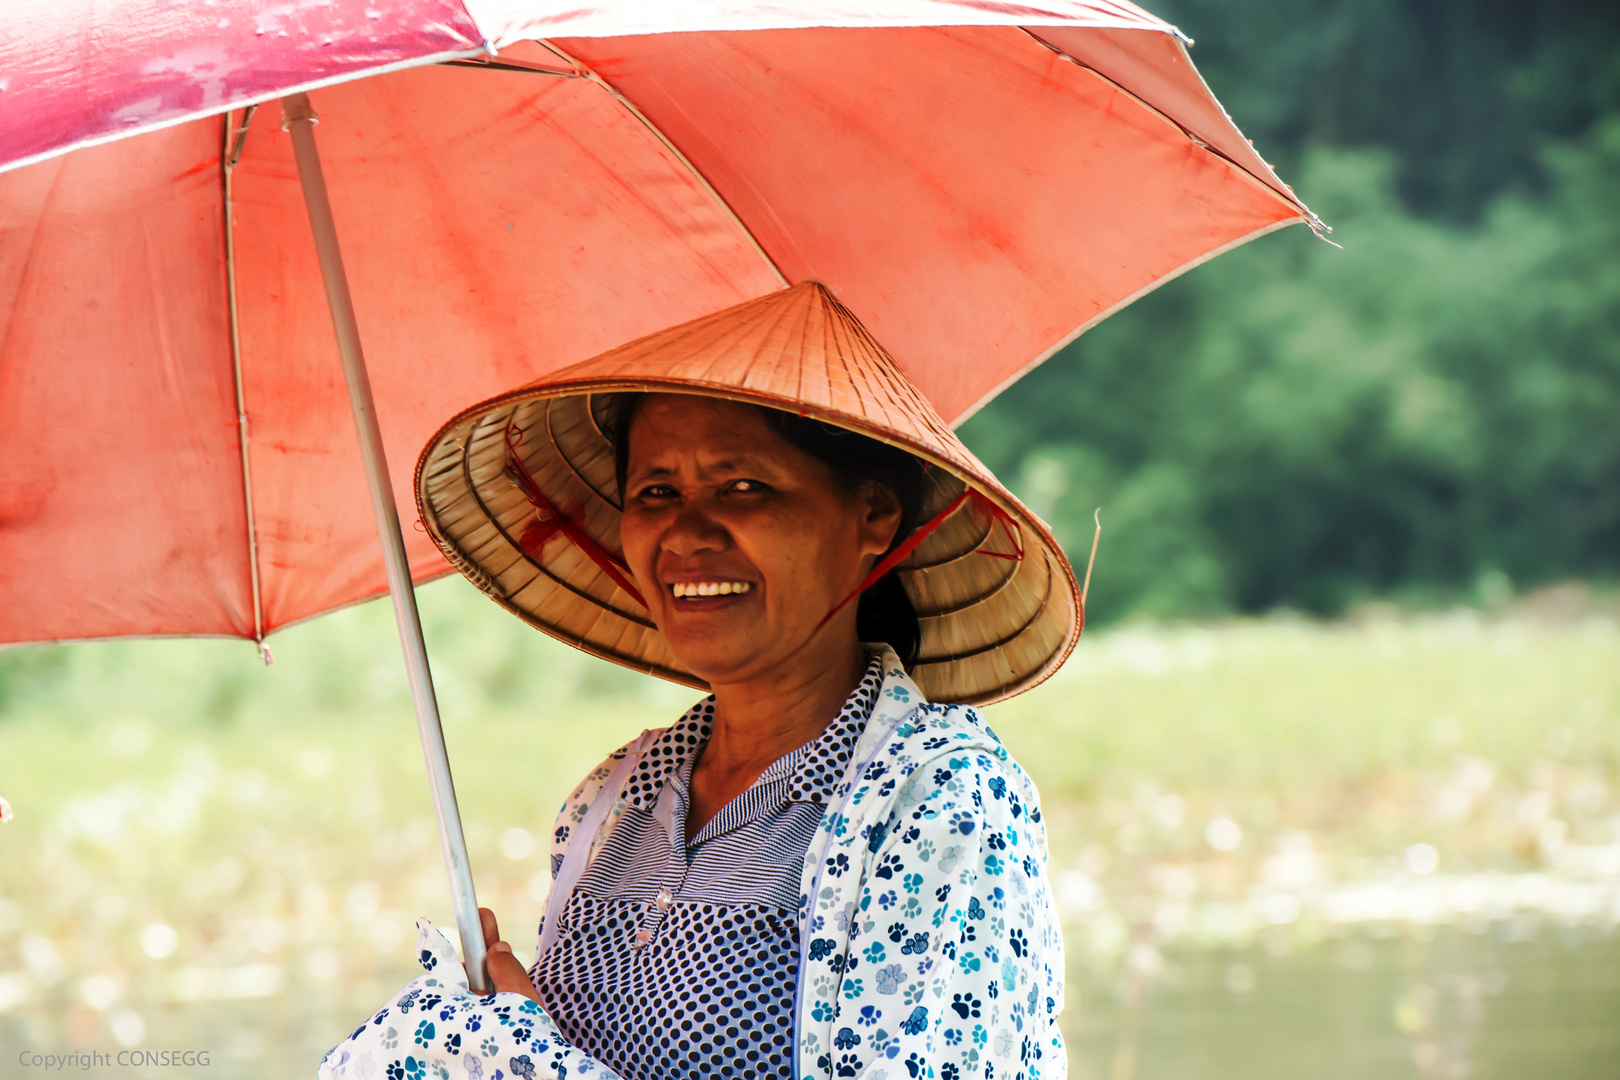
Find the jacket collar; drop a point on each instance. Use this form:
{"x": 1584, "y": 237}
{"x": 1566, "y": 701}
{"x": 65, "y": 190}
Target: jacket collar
{"x": 817, "y": 768}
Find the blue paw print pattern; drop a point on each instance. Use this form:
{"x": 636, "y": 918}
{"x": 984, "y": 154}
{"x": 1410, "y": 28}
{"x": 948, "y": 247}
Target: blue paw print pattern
{"x": 933, "y": 862}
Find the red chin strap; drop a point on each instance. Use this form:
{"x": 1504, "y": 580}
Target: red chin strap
{"x": 613, "y": 566}
{"x": 898, "y": 555}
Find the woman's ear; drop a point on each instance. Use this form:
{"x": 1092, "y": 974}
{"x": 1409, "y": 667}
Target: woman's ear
{"x": 880, "y": 518}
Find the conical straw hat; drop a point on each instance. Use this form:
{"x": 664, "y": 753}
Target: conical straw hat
{"x": 997, "y": 601}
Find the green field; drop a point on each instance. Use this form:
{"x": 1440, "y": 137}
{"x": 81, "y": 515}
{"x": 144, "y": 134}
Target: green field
{"x": 1383, "y": 847}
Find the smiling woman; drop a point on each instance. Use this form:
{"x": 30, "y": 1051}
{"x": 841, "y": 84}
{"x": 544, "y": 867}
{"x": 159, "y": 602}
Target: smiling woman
{"x": 807, "y": 457}
{"x": 815, "y": 872}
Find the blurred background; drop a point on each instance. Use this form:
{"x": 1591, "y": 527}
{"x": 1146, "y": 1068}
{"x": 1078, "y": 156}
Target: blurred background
{"x": 1331, "y": 780}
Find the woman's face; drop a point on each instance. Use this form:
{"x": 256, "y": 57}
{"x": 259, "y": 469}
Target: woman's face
{"x": 742, "y": 543}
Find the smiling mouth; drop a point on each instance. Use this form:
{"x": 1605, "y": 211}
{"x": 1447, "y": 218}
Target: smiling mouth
{"x": 701, "y": 590}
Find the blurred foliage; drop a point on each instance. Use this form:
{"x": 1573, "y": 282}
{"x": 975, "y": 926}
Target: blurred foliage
{"x": 1464, "y": 93}
{"x": 1427, "y": 413}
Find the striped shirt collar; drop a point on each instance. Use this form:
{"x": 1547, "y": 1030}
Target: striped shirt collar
{"x": 812, "y": 770}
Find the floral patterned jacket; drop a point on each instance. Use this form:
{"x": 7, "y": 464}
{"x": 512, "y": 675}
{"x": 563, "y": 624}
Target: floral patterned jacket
{"x": 931, "y": 946}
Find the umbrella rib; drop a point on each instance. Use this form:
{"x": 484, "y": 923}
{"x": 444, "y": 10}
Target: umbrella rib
{"x": 230, "y": 154}
{"x": 508, "y": 65}
{"x": 719, "y": 200}
{"x": 1310, "y": 218}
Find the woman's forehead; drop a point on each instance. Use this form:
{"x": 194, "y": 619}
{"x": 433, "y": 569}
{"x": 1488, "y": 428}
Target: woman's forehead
{"x": 710, "y": 430}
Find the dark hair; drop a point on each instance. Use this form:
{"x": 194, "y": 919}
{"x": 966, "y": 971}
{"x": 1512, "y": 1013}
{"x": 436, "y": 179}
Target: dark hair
{"x": 883, "y": 612}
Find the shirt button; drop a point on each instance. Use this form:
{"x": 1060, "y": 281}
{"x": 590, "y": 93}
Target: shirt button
{"x": 643, "y": 937}
{"x": 665, "y": 899}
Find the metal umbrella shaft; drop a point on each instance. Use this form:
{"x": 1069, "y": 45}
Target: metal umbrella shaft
{"x": 298, "y": 120}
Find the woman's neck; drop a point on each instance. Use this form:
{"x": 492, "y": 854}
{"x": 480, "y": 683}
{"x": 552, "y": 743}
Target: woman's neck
{"x": 758, "y": 721}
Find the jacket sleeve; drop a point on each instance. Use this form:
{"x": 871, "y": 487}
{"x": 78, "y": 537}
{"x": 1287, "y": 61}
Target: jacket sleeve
{"x": 955, "y": 965}
{"x": 578, "y": 804}
{"x": 435, "y": 1029}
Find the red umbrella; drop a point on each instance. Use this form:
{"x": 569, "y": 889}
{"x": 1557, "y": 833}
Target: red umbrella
{"x": 519, "y": 185}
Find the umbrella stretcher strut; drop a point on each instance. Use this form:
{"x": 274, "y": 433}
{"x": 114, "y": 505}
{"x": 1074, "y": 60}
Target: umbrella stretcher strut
{"x": 298, "y": 120}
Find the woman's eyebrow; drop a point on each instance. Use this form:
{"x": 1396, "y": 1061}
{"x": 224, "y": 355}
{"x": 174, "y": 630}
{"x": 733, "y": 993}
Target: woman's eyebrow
{"x": 735, "y": 464}
{"x": 652, "y": 470}
{"x": 739, "y": 463}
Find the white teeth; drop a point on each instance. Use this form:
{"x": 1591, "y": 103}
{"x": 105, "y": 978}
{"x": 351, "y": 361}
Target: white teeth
{"x": 684, "y": 590}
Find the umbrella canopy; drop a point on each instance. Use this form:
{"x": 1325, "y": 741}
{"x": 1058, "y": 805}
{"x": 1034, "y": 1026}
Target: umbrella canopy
{"x": 978, "y": 187}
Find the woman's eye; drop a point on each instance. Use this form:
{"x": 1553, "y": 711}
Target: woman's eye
{"x": 748, "y": 487}
{"x": 656, "y": 491}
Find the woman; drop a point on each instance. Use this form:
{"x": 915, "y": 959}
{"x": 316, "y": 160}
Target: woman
{"x": 814, "y": 872}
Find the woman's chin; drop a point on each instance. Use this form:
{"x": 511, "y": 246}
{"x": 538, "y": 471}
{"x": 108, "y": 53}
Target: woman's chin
{"x": 720, "y": 662}
{"x": 731, "y": 655}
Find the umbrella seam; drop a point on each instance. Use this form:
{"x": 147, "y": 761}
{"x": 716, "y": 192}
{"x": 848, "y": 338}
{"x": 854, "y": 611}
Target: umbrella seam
{"x": 1287, "y": 193}
{"x": 1069, "y": 338}
{"x": 229, "y": 155}
{"x": 686, "y": 162}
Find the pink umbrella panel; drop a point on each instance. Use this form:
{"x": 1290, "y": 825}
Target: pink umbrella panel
{"x": 501, "y": 222}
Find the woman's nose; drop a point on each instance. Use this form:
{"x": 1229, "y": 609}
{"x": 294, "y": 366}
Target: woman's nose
{"x": 694, "y": 532}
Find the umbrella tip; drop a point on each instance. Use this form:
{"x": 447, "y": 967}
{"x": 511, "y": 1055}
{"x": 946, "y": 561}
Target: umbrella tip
{"x": 264, "y": 653}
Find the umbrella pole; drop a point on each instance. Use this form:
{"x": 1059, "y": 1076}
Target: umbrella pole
{"x": 298, "y": 120}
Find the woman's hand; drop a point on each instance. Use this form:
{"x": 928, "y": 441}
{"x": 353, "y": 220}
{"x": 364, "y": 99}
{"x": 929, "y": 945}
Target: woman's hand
{"x": 505, "y": 970}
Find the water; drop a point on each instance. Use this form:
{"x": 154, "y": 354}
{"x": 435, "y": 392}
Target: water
{"x": 1514, "y": 1002}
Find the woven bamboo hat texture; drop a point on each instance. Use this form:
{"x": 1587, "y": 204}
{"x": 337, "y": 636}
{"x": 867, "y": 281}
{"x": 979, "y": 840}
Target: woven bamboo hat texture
{"x": 997, "y": 601}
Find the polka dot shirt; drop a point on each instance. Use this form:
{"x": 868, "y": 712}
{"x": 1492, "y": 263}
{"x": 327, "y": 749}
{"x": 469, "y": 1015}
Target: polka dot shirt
{"x": 682, "y": 960}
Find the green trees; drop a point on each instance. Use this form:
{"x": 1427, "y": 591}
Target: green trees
{"x": 1434, "y": 409}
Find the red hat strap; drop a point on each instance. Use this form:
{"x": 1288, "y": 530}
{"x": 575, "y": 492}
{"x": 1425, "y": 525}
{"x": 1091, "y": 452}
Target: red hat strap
{"x": 899, "y": 554}
{"x": 610, "y": 564}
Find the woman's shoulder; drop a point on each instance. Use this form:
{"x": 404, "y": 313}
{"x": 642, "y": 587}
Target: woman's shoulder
{"x": 594, "y": 779}
{"x": 949, "y": 741}
{"x": 916, "y": 729}
{"x": 578, "y": 803}
{"x": 934, "y": 728}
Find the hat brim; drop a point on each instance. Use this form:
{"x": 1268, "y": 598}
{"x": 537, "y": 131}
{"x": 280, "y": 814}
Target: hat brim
{"x": 997, "y": 603}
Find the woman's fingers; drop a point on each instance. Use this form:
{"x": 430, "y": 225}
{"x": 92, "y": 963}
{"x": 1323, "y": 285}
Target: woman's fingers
{"x": 506, "y": 971}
